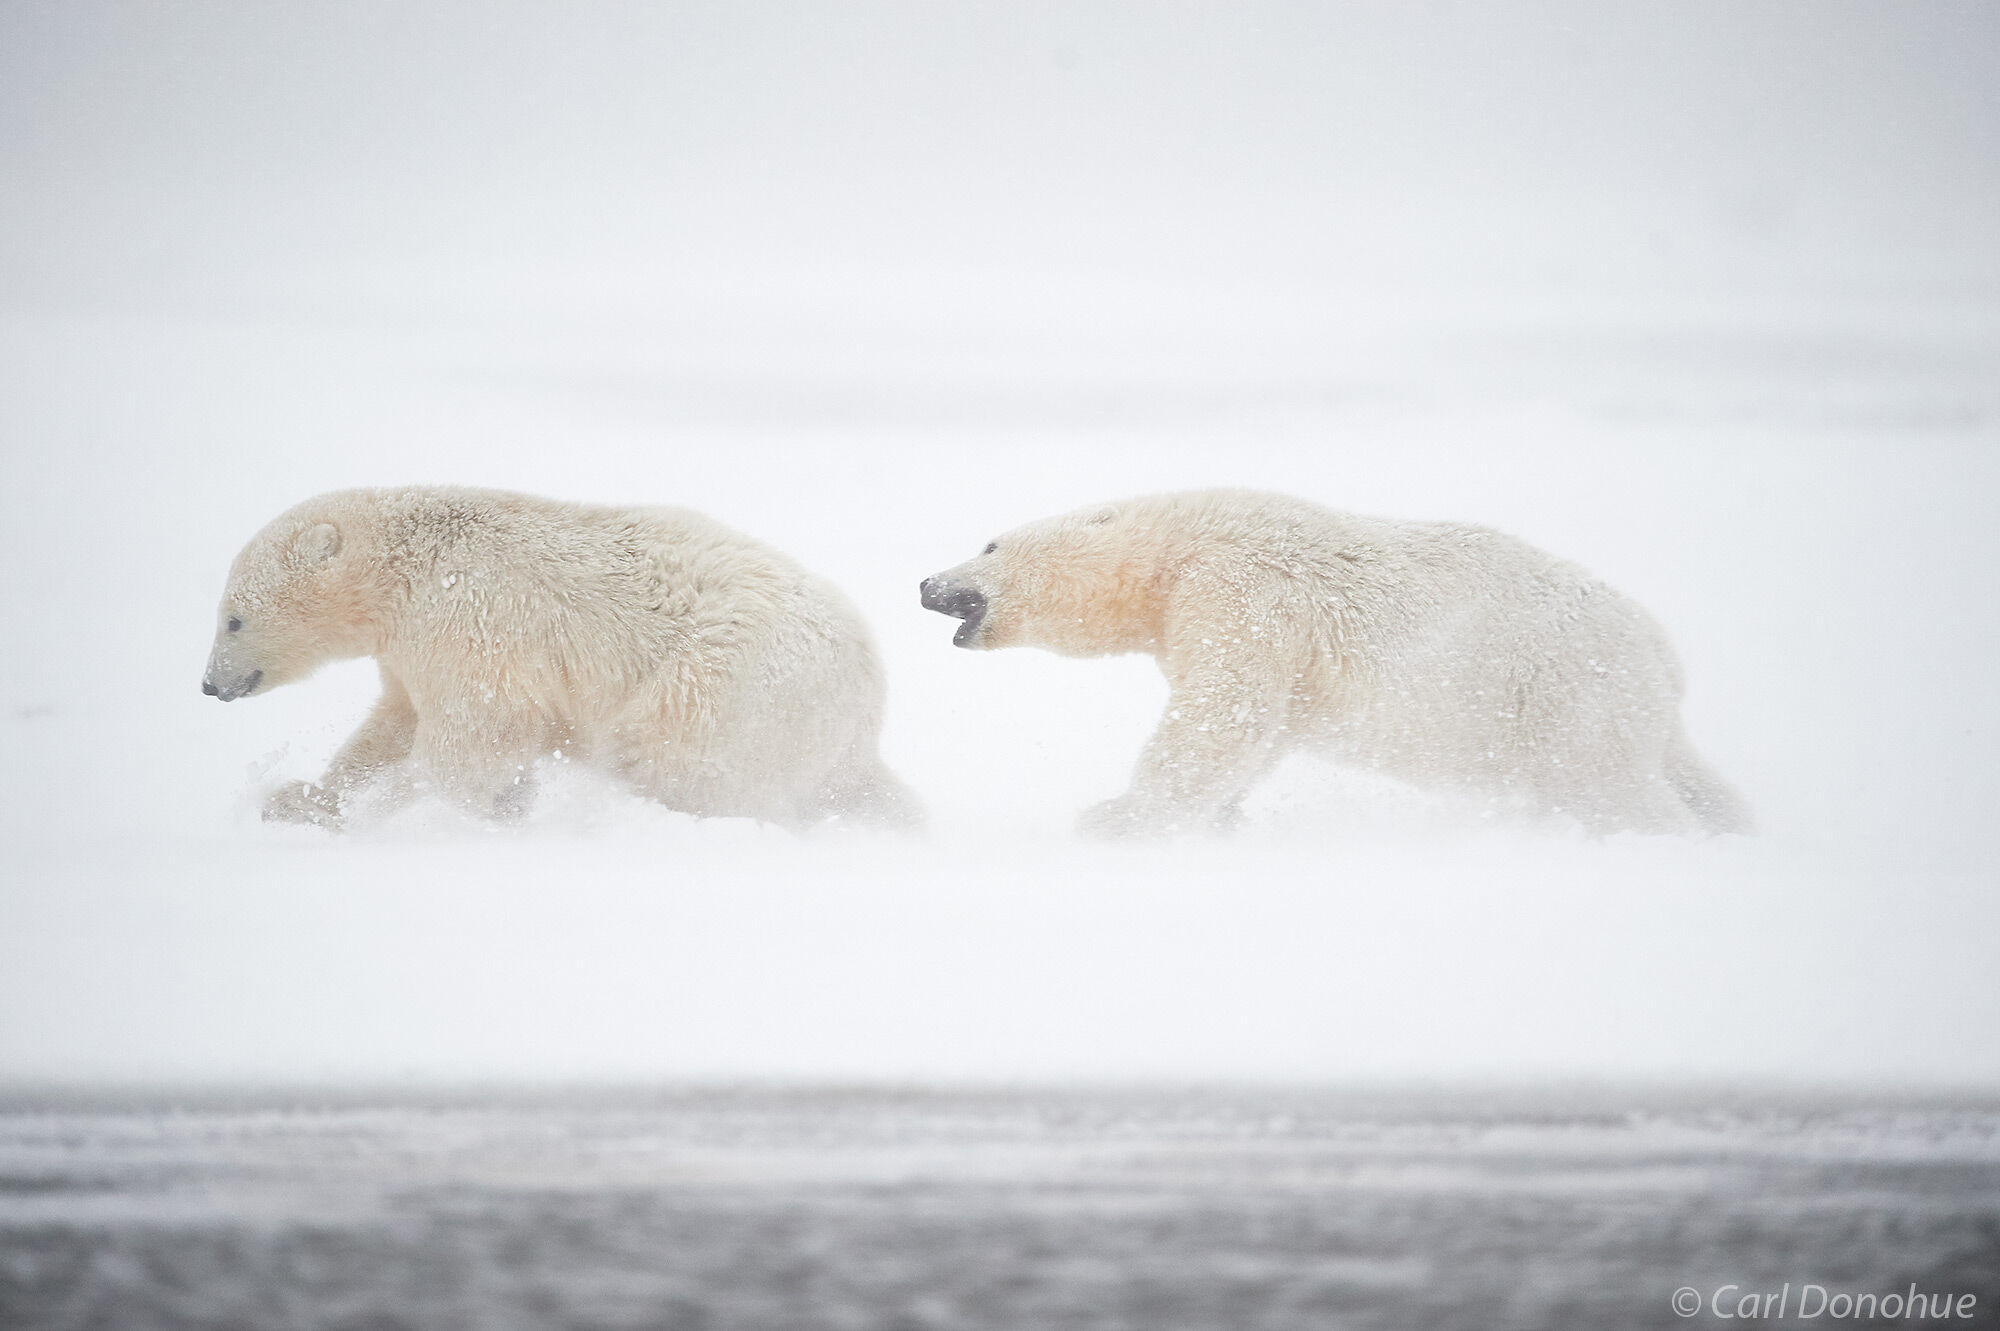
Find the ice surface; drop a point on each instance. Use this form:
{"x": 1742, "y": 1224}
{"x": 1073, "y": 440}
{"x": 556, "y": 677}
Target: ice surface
{"x": 1191, "y": 1208}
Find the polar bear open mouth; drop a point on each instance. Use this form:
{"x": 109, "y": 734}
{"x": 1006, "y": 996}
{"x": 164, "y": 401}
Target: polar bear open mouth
{"x": 971, "y": 626}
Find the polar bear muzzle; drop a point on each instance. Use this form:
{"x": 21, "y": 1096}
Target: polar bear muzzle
{"x": 957, "y": 600}
{"x": 235, "y": 688}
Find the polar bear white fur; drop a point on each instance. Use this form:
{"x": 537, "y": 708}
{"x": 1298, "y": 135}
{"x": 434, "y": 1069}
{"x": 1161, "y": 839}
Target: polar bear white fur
{"x": 1442, "y": 654}
{"x": 701, "y": 666}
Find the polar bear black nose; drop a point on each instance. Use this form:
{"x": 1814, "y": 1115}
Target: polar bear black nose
{"x": 208, "y": 688}
{"x": 952, "y": 599}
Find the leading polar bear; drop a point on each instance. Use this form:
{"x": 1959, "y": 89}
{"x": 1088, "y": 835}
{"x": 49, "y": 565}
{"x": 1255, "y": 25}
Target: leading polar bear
{"x": 1442, "y": 654}
{"x": 701, "y": 666}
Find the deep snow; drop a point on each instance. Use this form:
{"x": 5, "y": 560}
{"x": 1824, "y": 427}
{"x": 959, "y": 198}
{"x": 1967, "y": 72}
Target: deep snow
{"x": 1809, "y": 521}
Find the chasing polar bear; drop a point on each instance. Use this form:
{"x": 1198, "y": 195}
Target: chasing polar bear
{"x": 700, "y": 666}
{"x": 1448, "y": 656}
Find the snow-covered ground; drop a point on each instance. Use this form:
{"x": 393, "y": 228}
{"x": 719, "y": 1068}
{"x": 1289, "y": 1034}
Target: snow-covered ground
{"x": 1808, "y": 509}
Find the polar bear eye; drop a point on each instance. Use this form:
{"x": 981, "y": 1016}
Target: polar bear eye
{"x": 991, "y": 546}
{"x": 234, "y": 623}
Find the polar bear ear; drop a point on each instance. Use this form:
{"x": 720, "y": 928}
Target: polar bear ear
{"x": 320, "y": 543}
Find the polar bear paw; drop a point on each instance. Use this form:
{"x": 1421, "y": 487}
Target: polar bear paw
{"x": 303, "y": 802}
{"x": 1113, "y": 819}
{"x": 1124, "y": 817}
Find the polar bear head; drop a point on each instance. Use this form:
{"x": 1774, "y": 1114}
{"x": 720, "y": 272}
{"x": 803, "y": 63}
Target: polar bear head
{"x": 294, "y": 601}
{"x": 1083, "y": 584}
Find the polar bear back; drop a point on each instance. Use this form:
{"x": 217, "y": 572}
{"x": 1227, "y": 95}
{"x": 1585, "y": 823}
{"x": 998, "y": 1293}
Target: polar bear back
{"x": 1444, "y": 653}
{"x": 591, "y": 609}
{"x": 1461, "y": 653}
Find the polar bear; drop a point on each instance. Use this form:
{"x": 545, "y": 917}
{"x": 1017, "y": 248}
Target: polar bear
{"x": 1442, "y": 654}
{"x": 701, "y": 666}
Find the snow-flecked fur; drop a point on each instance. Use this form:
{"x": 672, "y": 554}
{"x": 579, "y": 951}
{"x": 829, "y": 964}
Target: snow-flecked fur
{"x": 708, "y": 670}
{"x": 1443, "y": 654}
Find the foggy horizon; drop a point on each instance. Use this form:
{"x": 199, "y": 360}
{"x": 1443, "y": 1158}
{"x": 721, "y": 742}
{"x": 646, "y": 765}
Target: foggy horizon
{"x": 889, "y": 162}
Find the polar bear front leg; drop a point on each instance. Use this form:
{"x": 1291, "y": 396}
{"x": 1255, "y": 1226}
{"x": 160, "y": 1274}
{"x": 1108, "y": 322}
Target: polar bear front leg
{"x": 375, "y": 753}
{"x": 1221, "y": 731}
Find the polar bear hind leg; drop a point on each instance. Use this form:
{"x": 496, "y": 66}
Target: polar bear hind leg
{"x": 862, "y": 789}
{"x": 1714, "y": 802}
